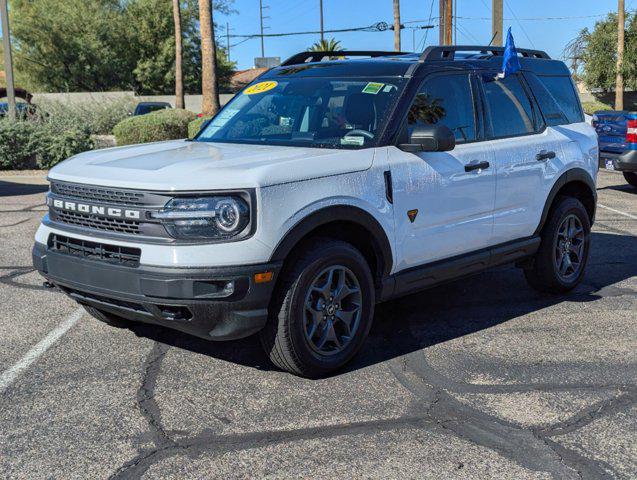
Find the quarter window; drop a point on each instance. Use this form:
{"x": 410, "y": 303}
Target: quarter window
{"x": 445, "y": 100}
{"x": 508, "y": 106}
{"x": 563, "y": 92}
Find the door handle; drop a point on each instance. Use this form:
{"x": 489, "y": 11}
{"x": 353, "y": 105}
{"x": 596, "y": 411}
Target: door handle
{"x": 545, "y": 155}
{"x": 469, "y": 167}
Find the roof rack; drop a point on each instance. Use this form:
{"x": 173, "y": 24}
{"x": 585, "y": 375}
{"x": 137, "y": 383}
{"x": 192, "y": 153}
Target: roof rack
{"x": 318, "y": 56}
{"x": 447, "y": 52}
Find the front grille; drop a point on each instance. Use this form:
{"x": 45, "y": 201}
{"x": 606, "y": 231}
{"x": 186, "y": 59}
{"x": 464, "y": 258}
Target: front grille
{"x": 98, "y": 194}
{"x": 99, "y": 223}
{"x": 94, "y": 251}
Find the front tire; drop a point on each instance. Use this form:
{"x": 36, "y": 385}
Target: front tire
{"x": 631, "y": 178}
{"x": 322, "y": 310}
{"x": 559, "y": 264}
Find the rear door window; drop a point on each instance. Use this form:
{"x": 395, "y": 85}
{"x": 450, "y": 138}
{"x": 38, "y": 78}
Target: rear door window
{"x": 564, "y": 93}
{"x": 508, "y": 106}
{"x": 445, "y": 100}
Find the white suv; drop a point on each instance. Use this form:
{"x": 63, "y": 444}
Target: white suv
{"x": 326, "y": 187}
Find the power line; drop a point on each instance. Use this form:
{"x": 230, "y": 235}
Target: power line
{"x": 431, "y": 11}
{"x": 519, "y": 24}
{"x": 377, "y": 27}
{"x": 530, "y": 19}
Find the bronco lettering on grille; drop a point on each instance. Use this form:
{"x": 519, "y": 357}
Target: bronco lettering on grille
{"x": 93, "y": 209}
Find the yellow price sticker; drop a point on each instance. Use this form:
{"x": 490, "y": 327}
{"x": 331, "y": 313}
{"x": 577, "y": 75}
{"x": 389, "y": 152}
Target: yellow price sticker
{"x": 260, "y": 87}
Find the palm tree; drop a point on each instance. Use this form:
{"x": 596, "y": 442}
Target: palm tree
{"x": 323, "y": 45}
{"x": 179, "y": 74}
{"x": 209, "y": 88}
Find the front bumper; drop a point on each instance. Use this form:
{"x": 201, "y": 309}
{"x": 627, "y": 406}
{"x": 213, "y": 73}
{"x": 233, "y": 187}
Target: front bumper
{"x": 623, "y": 162}
{"x": 178, "y": 298}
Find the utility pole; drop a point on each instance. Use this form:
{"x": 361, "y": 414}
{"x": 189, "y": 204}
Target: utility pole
{"x": 8, "y": 62}
{"x": 397, "y": 25}
{"x": 446, "y": 22}
{"x": 619, "y": 79}
{"x": 496, "y": 23}
{"x": 321, "y": 9}
{"x": 261, "y": 17}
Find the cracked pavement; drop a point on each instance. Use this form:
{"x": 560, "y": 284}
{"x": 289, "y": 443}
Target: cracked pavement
{"x": 480, "y": 378}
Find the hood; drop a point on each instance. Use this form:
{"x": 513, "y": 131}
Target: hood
{"x": 183, "y": 165}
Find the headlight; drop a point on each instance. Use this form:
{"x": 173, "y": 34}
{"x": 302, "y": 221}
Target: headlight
{"x": 220, "y": 217}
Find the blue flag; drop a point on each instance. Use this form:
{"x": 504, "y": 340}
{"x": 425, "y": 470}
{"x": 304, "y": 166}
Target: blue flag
{"x": 511, "y": 62}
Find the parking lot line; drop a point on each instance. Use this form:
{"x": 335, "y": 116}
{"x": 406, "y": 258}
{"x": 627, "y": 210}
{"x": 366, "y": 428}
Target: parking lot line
{"x": 9, "y": 375}
{"x": 634, "y": 217}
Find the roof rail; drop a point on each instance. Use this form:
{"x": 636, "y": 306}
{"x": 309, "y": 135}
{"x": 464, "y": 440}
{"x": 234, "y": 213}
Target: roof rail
{"x": 447, "y": 52}
{"x": 318, "y": 56}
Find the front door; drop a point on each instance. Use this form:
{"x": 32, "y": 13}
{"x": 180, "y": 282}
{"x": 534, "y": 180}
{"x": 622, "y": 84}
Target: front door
{"x": 443, "y": 204}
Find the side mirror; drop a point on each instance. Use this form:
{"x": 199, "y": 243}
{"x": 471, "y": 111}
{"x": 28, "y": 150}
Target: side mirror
{"x": 430, "y": 138}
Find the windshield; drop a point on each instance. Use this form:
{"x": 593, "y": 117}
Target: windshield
{"x": 308, "y": 112}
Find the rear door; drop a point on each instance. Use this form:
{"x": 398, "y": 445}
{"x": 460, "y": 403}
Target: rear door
{"x": 526, "y": 154}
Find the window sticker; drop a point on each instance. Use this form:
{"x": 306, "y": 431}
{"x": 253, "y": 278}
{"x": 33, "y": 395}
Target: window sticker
{"x": 353, "y": 140}
{"x": 221, "y": 119}
{"x": 286, "y": 121}
{"x": 260, "y": 87}
{"x": 373, "y": 88}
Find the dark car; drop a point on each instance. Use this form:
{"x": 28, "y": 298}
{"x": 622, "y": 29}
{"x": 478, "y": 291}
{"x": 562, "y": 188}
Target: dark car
{"x": 143, "y": 108}
{"x": 617, "y": 136}
{"x": 23, "y": 109}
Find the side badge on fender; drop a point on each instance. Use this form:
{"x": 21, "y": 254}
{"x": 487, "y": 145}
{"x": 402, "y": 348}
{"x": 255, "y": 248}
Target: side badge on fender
{"x": 412, "y": 214}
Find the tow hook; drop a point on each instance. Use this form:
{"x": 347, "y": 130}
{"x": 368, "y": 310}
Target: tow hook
{"x": 48, "y": 285}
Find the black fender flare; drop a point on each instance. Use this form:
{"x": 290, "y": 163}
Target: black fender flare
{"x": 572, "y": 175}
{"x": 338, "y": 213}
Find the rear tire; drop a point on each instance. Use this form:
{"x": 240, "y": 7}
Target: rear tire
{"x": 321, "y": 311}
{"x": 631, "y": 178}
{"x": 560, "y": 262}
{"x": 108, "y": 318}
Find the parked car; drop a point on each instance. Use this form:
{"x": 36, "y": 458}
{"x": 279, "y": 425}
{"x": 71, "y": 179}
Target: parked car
{"x": 24, "y": 107}
{"x": 325, "y": 187}
{"x": 143, "y": 108}
{"x": 617, "y": 134}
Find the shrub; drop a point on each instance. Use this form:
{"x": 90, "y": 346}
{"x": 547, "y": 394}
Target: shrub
{"x": 55, "y": 146}
{"x": 195, "y": 126}
{"x": 18, "y": 145}
{"x": 592, "y": 107}
{"x": 98, "y": 117}
{"x": 153, "y": 127}
{"x": 27, "y": 144}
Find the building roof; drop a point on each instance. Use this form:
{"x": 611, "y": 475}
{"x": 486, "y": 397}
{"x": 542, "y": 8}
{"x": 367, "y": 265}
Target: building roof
{"x": 241, "y": 78}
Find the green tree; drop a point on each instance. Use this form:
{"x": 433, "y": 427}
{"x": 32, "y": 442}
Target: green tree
{"x": 102, "y": 45}
{"x": 71, "y": 44}
{"x": 594, "y": 53}
{"x": 331, "y": 45}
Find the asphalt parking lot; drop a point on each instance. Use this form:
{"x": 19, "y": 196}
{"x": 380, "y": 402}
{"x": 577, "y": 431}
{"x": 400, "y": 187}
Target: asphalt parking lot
{"x": 481, "y": 378}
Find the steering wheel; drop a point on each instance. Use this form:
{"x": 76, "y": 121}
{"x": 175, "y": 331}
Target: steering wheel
{"x": 360, "y": 131}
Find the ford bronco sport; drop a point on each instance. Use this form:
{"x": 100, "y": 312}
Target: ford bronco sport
{"x": 324, "y": 187}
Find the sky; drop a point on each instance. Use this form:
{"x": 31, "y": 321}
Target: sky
{"x": 534, "y": 24}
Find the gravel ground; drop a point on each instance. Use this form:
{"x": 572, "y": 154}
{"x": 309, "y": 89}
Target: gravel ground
{"x": 480, "y": 378}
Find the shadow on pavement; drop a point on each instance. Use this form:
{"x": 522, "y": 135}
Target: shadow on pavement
{"x": 442, "y": 313}
{"x": 12, "y": 189}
